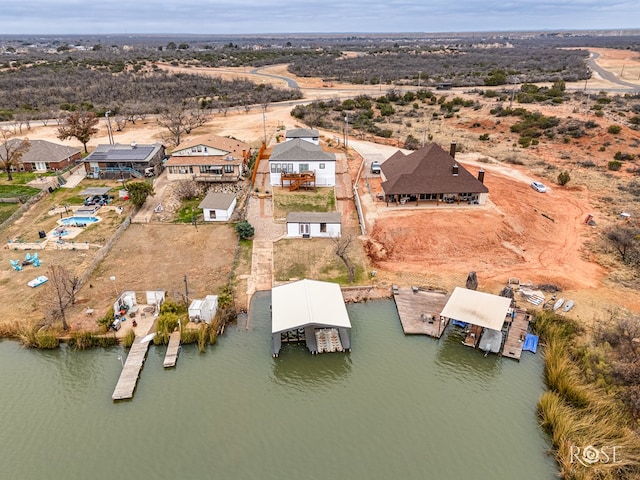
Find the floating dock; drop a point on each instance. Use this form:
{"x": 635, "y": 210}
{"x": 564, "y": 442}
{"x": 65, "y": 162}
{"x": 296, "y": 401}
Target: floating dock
{"x": 419, "y": 311}
{"x": 131, "y": 370}
{"x": 171, "y": 357}
{"x": 518, "y": 328}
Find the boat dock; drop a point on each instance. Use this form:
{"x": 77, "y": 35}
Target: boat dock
{"x": 171, "y": 357}
{"x": 419, "y": 311}
{"x": 131, "y": 370}
{"x": 518, "y": 328}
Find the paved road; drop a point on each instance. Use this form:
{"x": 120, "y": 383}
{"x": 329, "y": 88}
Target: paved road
{"x": 608, "y": 75}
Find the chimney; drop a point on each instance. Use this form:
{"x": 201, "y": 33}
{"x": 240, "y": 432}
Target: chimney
{"x": 452, "y": 150}
{"x": 134, "y": 144}
{"x": 455, "y": 168}
{"x": 481, "y": 175}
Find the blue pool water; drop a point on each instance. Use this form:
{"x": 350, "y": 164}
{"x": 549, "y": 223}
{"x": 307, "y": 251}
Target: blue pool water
{"x": 73, "y": 221}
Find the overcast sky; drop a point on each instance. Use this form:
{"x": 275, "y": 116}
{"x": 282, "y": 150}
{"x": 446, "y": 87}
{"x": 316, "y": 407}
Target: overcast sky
{"x": 290, "y": 16}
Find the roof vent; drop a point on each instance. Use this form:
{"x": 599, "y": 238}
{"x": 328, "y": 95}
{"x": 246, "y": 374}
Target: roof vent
{"x": 455, "y": 169}
{"x": 134, "y": 144}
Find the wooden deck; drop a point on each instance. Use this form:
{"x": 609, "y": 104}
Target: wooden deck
{"x": 473, "y": 336}
{"x": 515, "y": 336}
{"x": 171, "y": 357}
{"x": 419, "y": 311}
{"x": 131, "y": 370}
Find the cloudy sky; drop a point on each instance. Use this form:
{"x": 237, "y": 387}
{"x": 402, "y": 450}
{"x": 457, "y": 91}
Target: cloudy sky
{"x": 280, "y": 16}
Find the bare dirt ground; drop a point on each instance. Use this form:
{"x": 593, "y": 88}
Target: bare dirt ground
{"x": 520, "y": 233}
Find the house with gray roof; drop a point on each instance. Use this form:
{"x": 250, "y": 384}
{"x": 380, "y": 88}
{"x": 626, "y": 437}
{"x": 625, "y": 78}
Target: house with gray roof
{"x": 298, "y": 156}
{"x": 125, "y": 161}
{"x": 314, "y": 224}
{"x": 44, "y": 156}
{"x": 309, "y": 134}
{"x": 430, "y": 175}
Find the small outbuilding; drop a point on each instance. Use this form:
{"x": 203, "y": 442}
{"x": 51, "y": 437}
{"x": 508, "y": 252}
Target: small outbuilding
{"x": 310, "y": 312}
{"x": 203, "y": 310}
{"x": 314, "y": 224}
{"x": 218, "y": 207}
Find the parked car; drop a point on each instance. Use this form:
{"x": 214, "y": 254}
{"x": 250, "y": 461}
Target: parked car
{"x": 375, "y": 167}
{"x": 538, "y": 187}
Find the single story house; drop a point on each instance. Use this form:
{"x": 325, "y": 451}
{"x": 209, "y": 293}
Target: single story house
{"x": 309, "y": 134}
{"x": 44, "y": 156}
{"x": 430, "y": 174}
{"x": 310, "y": 312}
{"x": 209, "y": 158}
{"x": 124, "y": 161}
{"x": 300, "y": 157}
{"x": 314, "y": 224}
{"x": 218, "y": 207}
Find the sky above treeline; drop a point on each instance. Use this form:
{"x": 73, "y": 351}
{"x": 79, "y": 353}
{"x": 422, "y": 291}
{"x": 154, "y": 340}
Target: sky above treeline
{"x": 328, "y": 16}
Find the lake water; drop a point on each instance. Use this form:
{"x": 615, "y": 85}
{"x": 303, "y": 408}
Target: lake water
{"x": 396, "y": 407}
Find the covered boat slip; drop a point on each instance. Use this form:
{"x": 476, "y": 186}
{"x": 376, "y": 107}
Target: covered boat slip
{"x": 312, "y": 312}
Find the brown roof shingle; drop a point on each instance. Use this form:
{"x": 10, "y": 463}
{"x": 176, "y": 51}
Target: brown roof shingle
{"x": 428, "y": 170}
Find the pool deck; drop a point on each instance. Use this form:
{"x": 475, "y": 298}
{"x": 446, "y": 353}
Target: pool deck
{"x": 419, "y": 311}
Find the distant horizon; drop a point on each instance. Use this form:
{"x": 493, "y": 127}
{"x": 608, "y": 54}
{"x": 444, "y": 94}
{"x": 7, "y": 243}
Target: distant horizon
{"x": 280, "y": 17}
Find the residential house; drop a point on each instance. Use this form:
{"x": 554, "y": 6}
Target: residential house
{"x": 209, "y": 158}
{"x": 430, "y": 174}
{"x": 44, "y": 156}
{"x": 218, "y": 207}
{"x": 298, "y": 156}
{"x": 124, "y": 161}
{"x": 314, "y": 224}
{"x": 308, "y": 134}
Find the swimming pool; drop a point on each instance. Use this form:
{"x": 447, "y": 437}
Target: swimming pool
{"x": 79, "y": 221}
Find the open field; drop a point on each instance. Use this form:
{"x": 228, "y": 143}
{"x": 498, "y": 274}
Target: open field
{"x": 519, "y": 233}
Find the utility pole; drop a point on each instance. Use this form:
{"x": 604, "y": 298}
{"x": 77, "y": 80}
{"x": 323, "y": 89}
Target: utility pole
{"x": 264, "y": 124}
{"x": 346, "y": 131}
{"x": 186, "y": 291}
{"x": 109, "y": 130}
{"x": 419, "y": 73}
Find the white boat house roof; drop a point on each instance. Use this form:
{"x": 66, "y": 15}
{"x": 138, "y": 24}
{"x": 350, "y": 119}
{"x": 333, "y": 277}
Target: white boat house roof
{"x": 477, "y": 308}
{"x": 309, "y": 305}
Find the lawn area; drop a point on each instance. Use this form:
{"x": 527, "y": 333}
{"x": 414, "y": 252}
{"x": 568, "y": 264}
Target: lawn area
{"x": 284, "y": 201}
{"x": 17, "y": 191}
{"x": 315, "y": 258}
{"x": 7, "y": 209}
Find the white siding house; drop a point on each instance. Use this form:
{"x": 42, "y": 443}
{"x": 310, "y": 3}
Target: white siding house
{"x": 308, "y": 134}
{"x": 314, "y": 224}
{"x": 300, "y": 156}
{"x": 218, "y": 207}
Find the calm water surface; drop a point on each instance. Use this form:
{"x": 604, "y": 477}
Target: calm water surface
{"x": 395, "y": 408}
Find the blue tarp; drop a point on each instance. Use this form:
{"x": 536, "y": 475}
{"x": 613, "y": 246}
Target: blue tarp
{"x": 459, "y": 323}
{"x": 530, "y": 343}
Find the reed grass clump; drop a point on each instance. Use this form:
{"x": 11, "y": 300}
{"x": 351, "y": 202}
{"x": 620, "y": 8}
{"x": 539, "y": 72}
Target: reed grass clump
{"x": 129, "y": 338}
{"x": 36, "y": 335}
{"x": 586, "y": 424}
{"x": 84, "y": 340}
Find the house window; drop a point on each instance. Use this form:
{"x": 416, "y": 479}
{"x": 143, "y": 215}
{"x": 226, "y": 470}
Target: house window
{"x": 290, "y": 167}
{"x": 322, "y": 166}
{"x": 273, "y": 168}
{"x": 193, "y": 149}
{"x": 228, "y": 169}
{"x": 303, "y": 167}
{"x": 200, "y": 148}
{"x": 323, "y": 228}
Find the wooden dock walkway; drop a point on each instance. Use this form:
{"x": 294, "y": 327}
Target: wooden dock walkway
{"x": 419, "y": 311}
{"x": 131, "y": 370}
{"x": 515, "y": 336}
{"x": 171, "y": 357}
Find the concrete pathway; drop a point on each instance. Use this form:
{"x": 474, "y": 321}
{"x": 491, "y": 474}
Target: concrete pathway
{"x": 145, "y": 213}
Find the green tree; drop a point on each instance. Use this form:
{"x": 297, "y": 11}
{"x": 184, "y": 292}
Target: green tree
{"x": 80, "y": 125}
{"x": 563, "y": 178}
{"x": 245, "y": 230}
{"x": 138, "y": 192}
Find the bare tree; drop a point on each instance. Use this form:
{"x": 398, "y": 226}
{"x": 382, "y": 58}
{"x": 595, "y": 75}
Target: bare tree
{"x": 120, "y": 121}
{"x": 80, "y": 125}
{"x": 624, "y": 240}
{"x": 64, "y": 286}
{"x": 341, "y": 249}
{"x": 181, "y": 121}
{"x": 11, "y": 151}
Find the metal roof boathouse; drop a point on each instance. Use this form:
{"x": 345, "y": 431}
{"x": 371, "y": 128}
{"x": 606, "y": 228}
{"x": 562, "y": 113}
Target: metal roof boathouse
{"x": 312, "y": 312}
